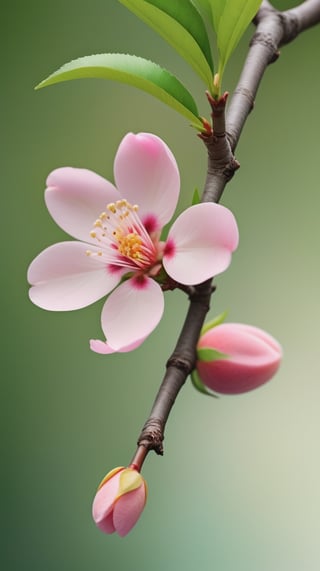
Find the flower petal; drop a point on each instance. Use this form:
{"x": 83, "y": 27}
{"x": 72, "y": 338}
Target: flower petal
{"x": 146, "y": 174}
{"x": 200, "y": 243}
{"x": 253, "y": 357}
{"x": 131, "y": 312}
{"x": 103, "y": 348}
{"x": 106, "y": 525}
{"x": 104, "y": 498}
{"x": 65, "y": 278}
{"x": 127, "y": 510}
{"x": 76, "y": 197}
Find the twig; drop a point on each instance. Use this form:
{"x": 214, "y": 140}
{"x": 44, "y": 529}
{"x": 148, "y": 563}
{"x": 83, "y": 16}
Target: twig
{"x": 273, "y": 29}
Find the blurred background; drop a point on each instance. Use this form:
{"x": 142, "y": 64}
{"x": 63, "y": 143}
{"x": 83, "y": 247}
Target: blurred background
{"x": 238, "y": 487}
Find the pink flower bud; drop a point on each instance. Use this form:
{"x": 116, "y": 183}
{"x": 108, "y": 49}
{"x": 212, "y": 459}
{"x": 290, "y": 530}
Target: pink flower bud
{"x": 119, "y": 501}
{"x": 250, "y": 357}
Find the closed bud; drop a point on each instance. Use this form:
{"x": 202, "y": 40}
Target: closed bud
{"x": 234, "y": 358}
{"x": 119, "y": 501}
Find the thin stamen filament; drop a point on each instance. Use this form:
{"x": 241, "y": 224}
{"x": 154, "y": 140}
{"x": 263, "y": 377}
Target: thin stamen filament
{"x": 123, "y": 238}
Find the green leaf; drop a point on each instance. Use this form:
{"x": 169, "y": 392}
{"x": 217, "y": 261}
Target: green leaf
{"x": 199, "y": 386}
{"x": 231, "y": 19}
{"x": 204, "y": 7}
{"x": 214, "y": 322}
{"x": 196, "y": 197}
{"x": 134, "y": 71}
{"x": 181, "y": 25}
{"x": 208, "y": 354}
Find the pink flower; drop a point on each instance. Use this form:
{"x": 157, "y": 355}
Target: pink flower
{"x": 119, "y": 501}
{"x": 119, "y": 252}
{"x": 250, "y": 357}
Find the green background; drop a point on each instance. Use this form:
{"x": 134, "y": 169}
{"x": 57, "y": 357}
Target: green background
{"x": 238, "y": 487}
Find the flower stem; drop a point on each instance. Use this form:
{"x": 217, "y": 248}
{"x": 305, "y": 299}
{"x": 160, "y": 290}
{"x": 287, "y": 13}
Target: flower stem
{"x": 139, "y": 457}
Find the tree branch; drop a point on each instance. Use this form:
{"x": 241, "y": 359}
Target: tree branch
{"x": 273, "y": 29}
{"x": 221, "y": 161}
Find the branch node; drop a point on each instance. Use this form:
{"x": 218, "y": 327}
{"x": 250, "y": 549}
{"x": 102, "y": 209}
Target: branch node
{"x": 265, "y": 39}
{"x": 181, "y": 363}
{"x": 189, "y": 290}
{"x": 151, "y": 436}
{"x": 290, "y": 26}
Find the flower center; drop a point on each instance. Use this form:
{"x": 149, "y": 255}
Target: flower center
{"x": 123, "y": 238}
{"x": 129, "y": 245}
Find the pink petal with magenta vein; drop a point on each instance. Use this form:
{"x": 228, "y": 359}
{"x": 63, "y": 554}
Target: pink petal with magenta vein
{"x": 200, "y": 242}
{"x": 132, "y": 312}
{"x": 146, "y": 174}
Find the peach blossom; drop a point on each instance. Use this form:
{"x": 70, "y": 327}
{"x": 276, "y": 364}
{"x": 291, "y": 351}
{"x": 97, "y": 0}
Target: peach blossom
{"x": 119, "y": 252}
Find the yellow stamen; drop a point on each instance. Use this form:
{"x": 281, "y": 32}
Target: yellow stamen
{"x": 111, "y": 207}
{"x": 119, "y": 226}
{"x": 130, "y": 245}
